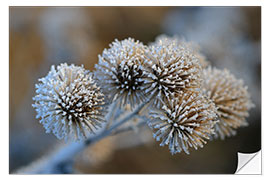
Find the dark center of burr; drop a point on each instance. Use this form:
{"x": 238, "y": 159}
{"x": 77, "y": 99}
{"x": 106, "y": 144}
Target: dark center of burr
{"x": 129, "y": 77}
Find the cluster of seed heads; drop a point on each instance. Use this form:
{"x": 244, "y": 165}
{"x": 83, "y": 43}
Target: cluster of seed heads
{"x": 189, "y": 103}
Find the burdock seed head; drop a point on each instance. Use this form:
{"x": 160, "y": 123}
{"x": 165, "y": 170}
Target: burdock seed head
{"x": 119, "y": 71}
{"x": 230, "y": 97}
{"x": 68, "y": 102}
{"x": 186, "y": 121}
{"x": 182, "y": 44}
{"x": 171, "y": 69}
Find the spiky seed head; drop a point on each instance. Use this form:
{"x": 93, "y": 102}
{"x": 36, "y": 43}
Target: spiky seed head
{"x": 182, "y": 44}
{"x": 186, "y": 121}
{"x": 230, "y": 97}
{"x": 171, "y": 69}
{"x": 69, "y": 103}
{"x": 119, "y": 71}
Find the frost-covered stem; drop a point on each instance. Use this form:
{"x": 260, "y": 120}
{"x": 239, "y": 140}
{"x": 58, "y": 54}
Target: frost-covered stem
{"x": 61, "y": 161}
{"x": 118, "y": 124}
{"x": 125, "y": 129}
{"x": 56, "y": 162}
{"x": 111, "y": 114}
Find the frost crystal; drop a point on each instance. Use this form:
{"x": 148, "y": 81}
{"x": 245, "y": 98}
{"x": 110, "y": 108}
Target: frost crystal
{"x": 171, "y": 69}
{"x": 68, "y": 102}
{"x": 183, "y": 122}
{"x": 230, "y": 97}
{"x": 119, "y": 71}
{"x": 182, "y": 44}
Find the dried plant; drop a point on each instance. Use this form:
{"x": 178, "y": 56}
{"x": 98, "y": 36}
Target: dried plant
{"x": 68, "y": 102}
{"x": 186, "y": 121}
{"x": 182, "y": 44}
{"x": 171, "y": 69}
{"x": 188, "y": 104}
{"x": 230, "y": 97}
{"x": 119, "y": 71}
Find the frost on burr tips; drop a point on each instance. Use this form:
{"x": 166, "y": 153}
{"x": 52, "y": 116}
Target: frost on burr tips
{"x": 69, "y": 103}
{"x": 191, "y": 46}
{"x": 119, "y": 71}
{"x": 186, "y": 121}
{"x": 230, "y": 97}
{"x": 171, "y": 69}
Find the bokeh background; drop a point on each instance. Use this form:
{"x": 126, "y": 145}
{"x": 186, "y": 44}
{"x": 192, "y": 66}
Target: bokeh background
{"x": 230, "y": 37}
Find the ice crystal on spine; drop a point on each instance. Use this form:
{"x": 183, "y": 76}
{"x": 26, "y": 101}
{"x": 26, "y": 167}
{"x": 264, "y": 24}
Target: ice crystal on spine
{"x": 230, "y": 97}
{"x": 171, "y": 69}
{"x": 182, "y": 44}
{"x": 68, "y": 102}
{"x": 119, "y": 71}
{"x": 186, "y": 121}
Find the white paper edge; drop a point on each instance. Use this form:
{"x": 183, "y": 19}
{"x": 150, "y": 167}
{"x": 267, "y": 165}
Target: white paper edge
{"x": 249, "y": 163}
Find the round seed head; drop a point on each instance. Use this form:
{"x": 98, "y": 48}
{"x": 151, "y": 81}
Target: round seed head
{"x": 230, "y": 97}
{"x": 119, "y": 71}
{"x": 182, "y": 44}
{"x": 69, "y": 103}
{"x": 187, "y": 121}
{"x": 171, "y": 69}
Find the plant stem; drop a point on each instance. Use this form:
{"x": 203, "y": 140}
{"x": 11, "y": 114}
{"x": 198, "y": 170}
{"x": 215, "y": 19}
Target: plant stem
{"x": 119, "y": 131}
{"x": 116, "y": 125}
{"x": 110, "y": 116}
{"x": 63, "y": 157}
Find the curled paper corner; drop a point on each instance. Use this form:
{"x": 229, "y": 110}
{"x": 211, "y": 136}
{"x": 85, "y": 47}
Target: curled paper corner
{"x": 249, "y": 163}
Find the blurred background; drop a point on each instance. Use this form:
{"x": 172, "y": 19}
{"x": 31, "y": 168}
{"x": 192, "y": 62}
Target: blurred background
{"x": 230, "y": 37}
